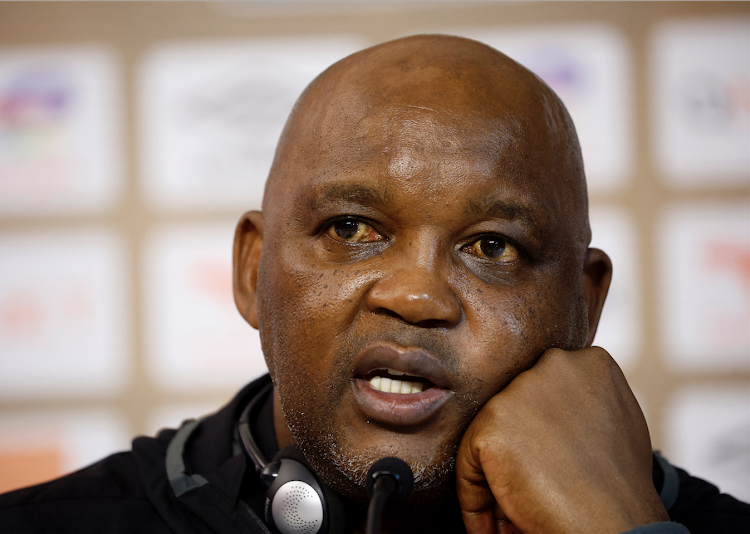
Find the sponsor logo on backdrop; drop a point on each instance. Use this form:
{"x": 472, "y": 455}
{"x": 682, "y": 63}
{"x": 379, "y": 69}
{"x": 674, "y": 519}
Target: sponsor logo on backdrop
{"x": 701, "y": 102}
{"x": 704, "y": 262}
{"x": 36, "y": 446}
{"x": 708, "y": 433}
{"x": 59, "y": 134}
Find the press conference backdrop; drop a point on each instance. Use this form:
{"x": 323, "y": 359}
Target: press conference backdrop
{"x": 134, "y": 135}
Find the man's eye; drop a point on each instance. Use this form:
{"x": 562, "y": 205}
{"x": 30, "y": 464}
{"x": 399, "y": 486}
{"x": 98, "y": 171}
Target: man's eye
{"x": 353, "y": 231}
{"x": 493, "y": 248}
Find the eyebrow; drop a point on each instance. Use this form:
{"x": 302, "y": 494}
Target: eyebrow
{"x": 368, "y": 195}
{"x": 357, "y": 194}
{"x": 503, "y": 209}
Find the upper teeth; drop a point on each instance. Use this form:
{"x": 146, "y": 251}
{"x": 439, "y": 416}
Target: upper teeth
{"x": 395, "y": 386}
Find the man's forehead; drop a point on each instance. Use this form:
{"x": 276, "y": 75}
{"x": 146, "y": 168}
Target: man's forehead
{"x": 390, "y": 127}
{"x": 391, "y": 101}
{"x": 467, "y": 107}
{"x": 403, "y": 142}
{"x": 422, "y": 150}
{"x": 414, "y": 107}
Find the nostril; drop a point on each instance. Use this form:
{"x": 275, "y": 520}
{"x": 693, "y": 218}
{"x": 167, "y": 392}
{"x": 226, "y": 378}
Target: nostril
{"x": 391, "y": 313}
{"x": 432, "y": 323}
{"x": 426, "y": 323}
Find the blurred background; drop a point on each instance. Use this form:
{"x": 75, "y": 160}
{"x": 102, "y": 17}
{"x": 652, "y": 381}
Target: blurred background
{"x": 134, "y": 135}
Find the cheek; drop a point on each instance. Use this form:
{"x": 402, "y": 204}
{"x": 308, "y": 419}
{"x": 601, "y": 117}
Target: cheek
{"x": 565, "y": 312}
{"x": 499, "y": 328}
{"x": 302, "y": 310}
{"x": 508, "y": 329}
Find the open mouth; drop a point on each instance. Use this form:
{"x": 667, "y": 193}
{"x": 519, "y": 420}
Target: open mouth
{"x": 394, "y": 381}
{"x": 400, "y": 386}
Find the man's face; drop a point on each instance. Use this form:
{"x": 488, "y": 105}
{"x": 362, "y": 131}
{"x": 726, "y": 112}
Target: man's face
{"x": 417, "y": 241}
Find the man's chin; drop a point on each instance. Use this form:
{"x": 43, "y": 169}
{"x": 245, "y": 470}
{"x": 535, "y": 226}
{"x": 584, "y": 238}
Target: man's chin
{"x": 345, "y": 474}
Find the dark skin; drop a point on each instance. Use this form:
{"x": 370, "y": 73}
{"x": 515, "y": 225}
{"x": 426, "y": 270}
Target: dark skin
{"x": 427, "y": 211}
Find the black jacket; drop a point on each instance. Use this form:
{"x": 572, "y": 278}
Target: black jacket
{"x": 131, "y": 492}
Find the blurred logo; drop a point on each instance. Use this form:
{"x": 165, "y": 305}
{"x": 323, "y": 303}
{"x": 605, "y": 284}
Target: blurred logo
{"x": 730, "y": 263}
{"x": 560, "y": 70}
{"x": 716, "y": 103}
{"x": 33, "y": 106}
{"x": 35, "y": 151}
{"x": 34, "y": 98}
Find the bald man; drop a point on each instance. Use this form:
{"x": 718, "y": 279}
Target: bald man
{"x": 421, "y": 279}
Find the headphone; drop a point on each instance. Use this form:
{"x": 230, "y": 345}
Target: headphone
{"x": 297, "y": 502}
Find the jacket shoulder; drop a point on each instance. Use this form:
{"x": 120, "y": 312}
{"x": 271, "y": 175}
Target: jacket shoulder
{"x": 702, "y": 508}
{"x": 107, "y": 493}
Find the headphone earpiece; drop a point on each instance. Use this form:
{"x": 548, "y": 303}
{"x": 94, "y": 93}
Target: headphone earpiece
{"x": 295, "y": 503}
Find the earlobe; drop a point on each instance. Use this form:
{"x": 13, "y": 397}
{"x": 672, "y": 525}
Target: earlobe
{"x": 597, "y": 274}
{"x": 248, "y": 241}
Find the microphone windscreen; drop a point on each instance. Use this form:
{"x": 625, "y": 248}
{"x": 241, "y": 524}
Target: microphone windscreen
{"x": 396, "y": 468}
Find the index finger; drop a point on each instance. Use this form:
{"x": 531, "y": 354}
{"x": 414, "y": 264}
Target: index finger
{"x": 474, "y": 495}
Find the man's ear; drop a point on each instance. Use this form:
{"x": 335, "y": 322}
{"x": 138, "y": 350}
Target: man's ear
{"x": 597, "y": 274}
{"x": 248, "y": 239}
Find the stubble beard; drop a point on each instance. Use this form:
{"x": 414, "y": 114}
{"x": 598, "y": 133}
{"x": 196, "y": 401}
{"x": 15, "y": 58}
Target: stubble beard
{"x": 344, "y": 466}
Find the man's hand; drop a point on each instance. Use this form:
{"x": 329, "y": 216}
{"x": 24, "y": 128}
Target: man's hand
{"x": 563, "y": 449}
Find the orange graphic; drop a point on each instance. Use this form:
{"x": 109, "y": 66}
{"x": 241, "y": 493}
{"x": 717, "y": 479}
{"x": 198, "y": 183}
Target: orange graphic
{"x": 738, "y": 94}
{"x": 21, "y": 315}
{"x": 731, "y": 257}
{"x": 212, "y": 278}
{"x": 19, "y": 468}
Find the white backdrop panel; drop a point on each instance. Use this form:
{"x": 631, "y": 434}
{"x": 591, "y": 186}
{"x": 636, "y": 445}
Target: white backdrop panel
{"x": 619, "y": 330}
{"x": 195, "y": 337}
{"x": 63, "y": 314}
{"x": 701, "y": 102}
{"x": 708, "y": 434}
{"x": 211, "y": 113}
{"x": 704, "y": 283}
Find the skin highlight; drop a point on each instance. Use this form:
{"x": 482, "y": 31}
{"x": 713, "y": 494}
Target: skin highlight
{"x": 427, "y": 202}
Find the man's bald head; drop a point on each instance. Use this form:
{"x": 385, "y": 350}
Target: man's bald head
{"x": 498, "y": 105}
{"x": 426, "y": 213}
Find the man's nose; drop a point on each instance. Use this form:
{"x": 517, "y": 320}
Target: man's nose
{"x": 417, "y": 291}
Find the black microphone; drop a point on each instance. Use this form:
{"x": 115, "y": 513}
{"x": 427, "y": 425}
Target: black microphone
{"x": 389, "y": 480}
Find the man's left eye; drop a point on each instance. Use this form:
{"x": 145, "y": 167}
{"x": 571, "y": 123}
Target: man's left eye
{"x": 493, "y": 248}
{"x": 353, "y": 231}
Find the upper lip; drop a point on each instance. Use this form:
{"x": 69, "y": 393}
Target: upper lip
{"x": 414, "y": 361}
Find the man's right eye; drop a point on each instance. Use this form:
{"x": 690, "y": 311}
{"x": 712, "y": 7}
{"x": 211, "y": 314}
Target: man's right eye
{"x": 353, "y": 231}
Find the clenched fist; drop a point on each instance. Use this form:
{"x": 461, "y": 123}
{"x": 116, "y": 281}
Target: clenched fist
{"x": 563, "y": 449}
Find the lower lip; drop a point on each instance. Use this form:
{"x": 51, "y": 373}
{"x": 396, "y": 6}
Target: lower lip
{"x": 397, "y": 408}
